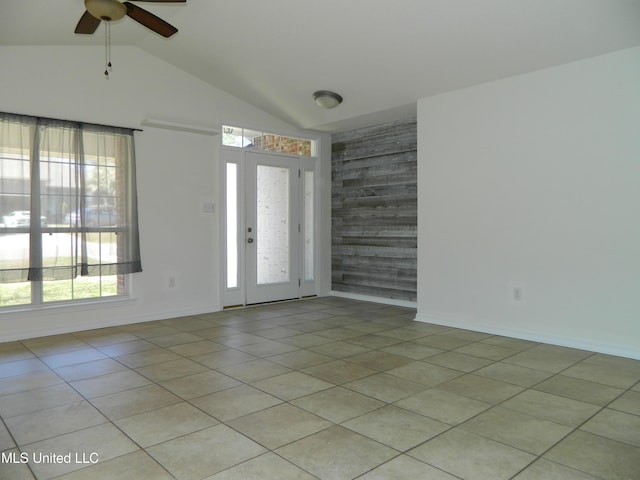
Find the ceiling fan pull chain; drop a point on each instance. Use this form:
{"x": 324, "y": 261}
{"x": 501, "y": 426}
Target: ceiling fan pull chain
{"x": 109, "y": 43}
{"x": 106, "y": 49}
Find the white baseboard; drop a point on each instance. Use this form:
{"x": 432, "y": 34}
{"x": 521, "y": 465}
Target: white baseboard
{"x": 36, "y": 324}
{"x": 370, "y": 298}
{"x": 531, "y": 335}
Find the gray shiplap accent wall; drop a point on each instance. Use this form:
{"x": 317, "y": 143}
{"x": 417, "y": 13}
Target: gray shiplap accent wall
{"x": 374, "y": 210}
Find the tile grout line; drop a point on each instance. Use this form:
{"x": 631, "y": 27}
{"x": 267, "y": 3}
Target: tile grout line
{"x": 17, "y": 447}
{"x": 452, "y": 427}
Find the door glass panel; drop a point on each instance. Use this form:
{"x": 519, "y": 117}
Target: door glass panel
{"x": 272, "y": 195}
{"x": 308, "y": 225}
{"x": 232, "y": 225}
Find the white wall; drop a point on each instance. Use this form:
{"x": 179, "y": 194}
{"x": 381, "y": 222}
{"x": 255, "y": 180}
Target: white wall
{"x": 533, "y": 182}
{"x": 177, "y": 172}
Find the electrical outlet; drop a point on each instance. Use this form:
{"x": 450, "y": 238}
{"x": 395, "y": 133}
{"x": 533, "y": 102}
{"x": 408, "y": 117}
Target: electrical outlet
{"x": 208, "y": 207}
{"x": 172, "y": 282}
{"x": 517, "y": 294}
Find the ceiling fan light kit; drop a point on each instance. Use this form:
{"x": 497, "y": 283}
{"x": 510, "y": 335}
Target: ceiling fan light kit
{"x": 98, "y": 11}
{"x": 327, "y": 99}
{"x": 106, "y": 9}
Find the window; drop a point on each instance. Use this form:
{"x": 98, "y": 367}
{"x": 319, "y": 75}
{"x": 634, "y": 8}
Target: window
{"x": 268, "y": 142}
{"x": 232, "y": 225}
{"x": 68, "y": 211}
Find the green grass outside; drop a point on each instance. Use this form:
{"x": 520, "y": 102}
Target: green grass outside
{"x": 13, "y": 294}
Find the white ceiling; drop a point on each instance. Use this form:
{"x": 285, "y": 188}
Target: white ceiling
{"x": 380, "y": 55}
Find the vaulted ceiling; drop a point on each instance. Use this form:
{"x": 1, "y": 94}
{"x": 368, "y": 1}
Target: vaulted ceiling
{"x": 380, "y": 55}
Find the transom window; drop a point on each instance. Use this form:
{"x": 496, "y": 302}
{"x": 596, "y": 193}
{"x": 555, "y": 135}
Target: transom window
{"x": 268, "y": 142}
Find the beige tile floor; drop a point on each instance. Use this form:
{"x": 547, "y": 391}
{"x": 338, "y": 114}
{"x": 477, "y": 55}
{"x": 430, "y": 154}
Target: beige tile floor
{"x": 324, "y": 388}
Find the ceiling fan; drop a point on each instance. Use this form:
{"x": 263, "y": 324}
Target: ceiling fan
{"x": 110, "y": 10}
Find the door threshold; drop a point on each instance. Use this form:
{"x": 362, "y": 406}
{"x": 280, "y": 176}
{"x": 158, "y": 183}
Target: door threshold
{"x": 235, "y": 307}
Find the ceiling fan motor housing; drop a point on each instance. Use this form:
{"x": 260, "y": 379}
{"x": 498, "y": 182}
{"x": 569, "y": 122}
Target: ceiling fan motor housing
{"x": 106, "y": 9}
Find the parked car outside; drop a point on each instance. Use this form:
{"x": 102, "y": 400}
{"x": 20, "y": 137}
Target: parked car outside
{"x": 103, "y": 216}
{"x": 21, "y": 218}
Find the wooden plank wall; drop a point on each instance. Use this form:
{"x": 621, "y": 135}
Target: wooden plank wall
{"x": 374, "y": 210}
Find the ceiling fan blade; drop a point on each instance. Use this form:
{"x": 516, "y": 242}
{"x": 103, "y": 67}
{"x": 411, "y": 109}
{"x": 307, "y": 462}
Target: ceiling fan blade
{"x": 149, "y": 20}
{"x": 161, "y": 1}
{"x": 87, "y": 24}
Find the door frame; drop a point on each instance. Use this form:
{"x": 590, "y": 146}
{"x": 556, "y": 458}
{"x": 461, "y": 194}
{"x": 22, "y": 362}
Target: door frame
{"x": 237, "y": 295}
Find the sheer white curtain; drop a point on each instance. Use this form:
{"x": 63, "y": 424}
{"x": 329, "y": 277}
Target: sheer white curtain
{"x": 67, "y": 199}
{"x": 16, "y": 140}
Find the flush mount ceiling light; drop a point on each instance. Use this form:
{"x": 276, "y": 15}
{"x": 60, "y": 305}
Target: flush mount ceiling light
{"x": 327, "y": 99}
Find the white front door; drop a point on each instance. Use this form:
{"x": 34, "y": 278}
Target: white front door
{"x": 271, "y": 228}
{"x": 270, "y": 248}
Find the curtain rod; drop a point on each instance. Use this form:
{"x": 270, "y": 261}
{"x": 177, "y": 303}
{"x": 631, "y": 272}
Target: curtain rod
{"x": 75, "y": 121}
